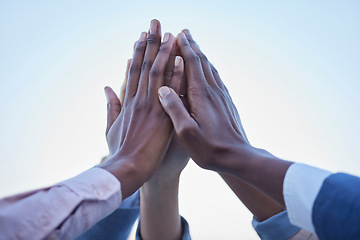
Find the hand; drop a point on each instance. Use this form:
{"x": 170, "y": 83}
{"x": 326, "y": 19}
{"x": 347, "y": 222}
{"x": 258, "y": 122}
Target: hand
{"x": 140, "y": 129}
{"x": 212, "y": 132}
{"x": 175, "y": 158}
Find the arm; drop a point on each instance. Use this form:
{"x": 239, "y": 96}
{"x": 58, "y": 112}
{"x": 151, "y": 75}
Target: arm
{"x": 159, "y": 196}
{"x": 118, "y": 224}
{"x": 259, "y": 204}
{"x": 225, "y": 149}
{"x": 67, "y": 209}
{"x": 159, "y": 208}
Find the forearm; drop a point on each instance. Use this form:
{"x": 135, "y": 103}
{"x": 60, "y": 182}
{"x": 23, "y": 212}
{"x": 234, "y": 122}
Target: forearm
{"x": 258, "y": 168}
{"x": 159, "y": 210}
{"x": 261, "y": 205}
{"x": 61, "y": 211}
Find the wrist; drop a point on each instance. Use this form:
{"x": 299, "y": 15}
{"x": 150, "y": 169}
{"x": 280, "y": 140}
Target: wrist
{"x": 242, "y": 158}
{"x": 162, "y": 184}
{"x": 126, "y": 171}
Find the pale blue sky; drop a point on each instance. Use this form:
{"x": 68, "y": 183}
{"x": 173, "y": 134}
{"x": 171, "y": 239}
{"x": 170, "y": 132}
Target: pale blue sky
{"x": 291, "y": 67}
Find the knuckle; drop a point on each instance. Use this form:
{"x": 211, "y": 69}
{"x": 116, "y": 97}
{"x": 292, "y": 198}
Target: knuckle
{"x": 155, "y": 72}
{"x": 190, "y": 39}
{"x": 153, "y": 39}
{"x": 203, "y": 57}
{"x": 184, "y": 43}
{"x": 172, "y": 105}
{"x": 194, "y": 58}
{"x": 187, "y": 130}
{"x": 146, "y": 64}
{"x": 213, "y": 69}
{"x": 177, "y": 72}
{"x": 165, "y": 48}
{"x": 202, "y": 91}
{"x": 140, "y": 48}
{"x": 134, "y": 68}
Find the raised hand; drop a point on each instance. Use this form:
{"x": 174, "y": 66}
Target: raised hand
{"x": 139, "y": 135}
{"x": 211, "y": 131}
{"x": 213, "y": 128}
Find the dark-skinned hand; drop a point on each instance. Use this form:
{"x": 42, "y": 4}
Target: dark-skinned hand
{"x": 139, "y": 130}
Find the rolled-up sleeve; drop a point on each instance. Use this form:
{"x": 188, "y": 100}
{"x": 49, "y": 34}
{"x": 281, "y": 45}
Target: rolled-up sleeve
{"x": 62, "y": 211}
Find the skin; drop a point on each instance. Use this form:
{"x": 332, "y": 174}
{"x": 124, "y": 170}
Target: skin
{"x": 223, "y": 149}
{"x": 160, "y": 218}
{"x": 135, "y": 156}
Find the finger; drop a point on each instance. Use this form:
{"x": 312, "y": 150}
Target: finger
{"x": 156, "y": 75}
{"x": 152, "y": 48}
{"x": 218, "y": 79}
{"x": 193, "y": 68}
{"x": 135, "y": 67}
{"x": 113, "y": 107}
{"x": 170, "y": 66}
{"x": 203, "y": 59}
{"x": 177, "y": 75}
{"x": 123, "y": 86}
{"x": 182, "y": 121}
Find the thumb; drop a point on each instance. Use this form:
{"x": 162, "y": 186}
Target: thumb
{"x": 113, "y": 107}
{"x": 174, "y": 107}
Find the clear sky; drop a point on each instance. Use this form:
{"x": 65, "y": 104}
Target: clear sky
{"x": 292, "y": 67}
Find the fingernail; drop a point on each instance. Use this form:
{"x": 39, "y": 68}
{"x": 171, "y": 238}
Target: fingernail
{"x": 142, "y": 37}
{"x": 163, "y": 92}
{"x": 153, "y": 27}
{"x": 177, "y": 61}
{"x": 166, "y": 37}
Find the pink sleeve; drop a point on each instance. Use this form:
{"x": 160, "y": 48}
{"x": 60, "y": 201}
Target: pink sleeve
{"x": 62, "y": 211}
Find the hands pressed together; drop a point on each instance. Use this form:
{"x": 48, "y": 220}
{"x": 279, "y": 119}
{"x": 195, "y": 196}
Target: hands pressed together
{"x": 173, "y": 105}
{"x": 173, "y": 99}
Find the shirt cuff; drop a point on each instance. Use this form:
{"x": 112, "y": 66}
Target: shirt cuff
{"x": 102, "y": 187}
{"x": 184, "y": 227}
{"x": 277, "y": 227}
{"x": 302, "y": 184}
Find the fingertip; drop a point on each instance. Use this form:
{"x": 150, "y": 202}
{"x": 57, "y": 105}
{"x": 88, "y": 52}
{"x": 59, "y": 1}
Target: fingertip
{"x": 181, "y": 35}
{"x": 179, "y": 63}
{"x": 186, "y": 31}
{"x": 106, "y": 89}
{"x": 155, "y": 26}
{"x": 163, "y": 92}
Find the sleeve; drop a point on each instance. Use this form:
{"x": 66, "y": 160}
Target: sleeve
{"x": 62, "y": 211}
{"x": 302, "y": 184}
{"x": 336, "y": 211}
{"x": 277, "y": 227}
{"x": 184, "y": 226}
{"x": 117, "y": 225}
{"x": 304, "y": 235}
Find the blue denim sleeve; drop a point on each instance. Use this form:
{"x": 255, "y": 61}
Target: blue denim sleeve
{"x": 117, "y": 225}
{"x": 184, "y": 226}
{"x": 336, "y": 210}
{"x": 278, "y": 227}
